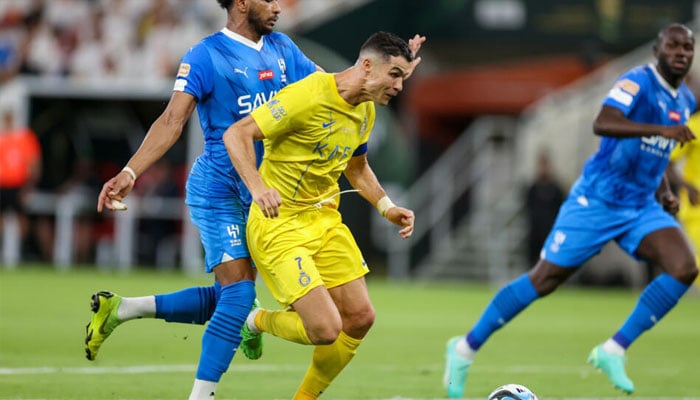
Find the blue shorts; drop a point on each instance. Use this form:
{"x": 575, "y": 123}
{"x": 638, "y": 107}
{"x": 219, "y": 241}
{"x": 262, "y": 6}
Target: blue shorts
{"x": 585, "y": 225}
{"x": 217, "y": 210}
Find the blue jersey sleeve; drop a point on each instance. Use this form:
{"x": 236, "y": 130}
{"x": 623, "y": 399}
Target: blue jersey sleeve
{"x": 195, "y": 73}
{"x": 627, "y": 91}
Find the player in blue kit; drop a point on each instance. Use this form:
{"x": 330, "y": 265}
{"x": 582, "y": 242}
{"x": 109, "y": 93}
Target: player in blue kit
{"x": 225, "y": 76}
{"x": 615, "y": 198}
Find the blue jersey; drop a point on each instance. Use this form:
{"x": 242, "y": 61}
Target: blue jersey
{"x": 230, "y": 76}
{"x": 627, "y": 171}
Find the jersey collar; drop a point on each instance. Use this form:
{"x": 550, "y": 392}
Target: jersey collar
{"x": 239, "y": 38}
{"x": 662, "y": 81}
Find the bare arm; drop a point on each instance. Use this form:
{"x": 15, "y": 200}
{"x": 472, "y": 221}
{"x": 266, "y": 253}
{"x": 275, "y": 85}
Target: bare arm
{"x": 360, "y": 175}
{"x": 238, "y": 140}
{"x": 612, "y": 122}
{"x": 161, "y": 136}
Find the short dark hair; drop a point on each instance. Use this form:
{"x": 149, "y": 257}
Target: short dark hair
{"x": 669, "y": 27}
{"x": 387, "y": 44}
{"x": 225, "y": 4}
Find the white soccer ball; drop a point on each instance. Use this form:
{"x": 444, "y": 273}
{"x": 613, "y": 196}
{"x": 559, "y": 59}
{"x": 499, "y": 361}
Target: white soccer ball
{"x": 512, "y": 391}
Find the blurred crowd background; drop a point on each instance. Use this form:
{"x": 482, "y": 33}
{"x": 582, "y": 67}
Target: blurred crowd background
{"x": 137, "y": 40}
{"x": 489, "y": 134}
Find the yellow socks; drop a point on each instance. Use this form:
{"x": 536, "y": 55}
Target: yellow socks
{"x": 327, "y": 362}
{"x": 283, "y": 324}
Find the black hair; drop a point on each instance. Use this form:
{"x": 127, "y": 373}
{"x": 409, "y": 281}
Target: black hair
{"x": 225, "y": 4}
{"x": 387, "y": 44}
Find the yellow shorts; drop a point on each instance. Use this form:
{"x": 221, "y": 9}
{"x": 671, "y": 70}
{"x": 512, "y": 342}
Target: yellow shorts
{"x": 297, "y": 253}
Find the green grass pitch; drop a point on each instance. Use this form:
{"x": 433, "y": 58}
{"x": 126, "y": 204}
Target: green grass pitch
{"x": 43, "y": 315}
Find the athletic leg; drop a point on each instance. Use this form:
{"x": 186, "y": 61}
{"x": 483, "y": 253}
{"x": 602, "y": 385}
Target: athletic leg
{"x": 222, "y": 335}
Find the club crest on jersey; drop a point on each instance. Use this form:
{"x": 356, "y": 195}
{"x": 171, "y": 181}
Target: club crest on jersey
{"x": 283, "y": 69}
{"x": 266, "y": 75}
{"x": 674, "y": 116}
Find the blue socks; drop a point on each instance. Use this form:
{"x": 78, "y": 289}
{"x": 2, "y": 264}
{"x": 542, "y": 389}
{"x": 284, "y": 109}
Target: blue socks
{"x": 223, "y": 333}
{"x": 657, "y": 299}
{"x": 506, "y": 304}
{"x": 193, "y": 305}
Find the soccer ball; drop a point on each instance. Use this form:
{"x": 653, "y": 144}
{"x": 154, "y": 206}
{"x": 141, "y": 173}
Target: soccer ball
{"x": 512, "y": 391}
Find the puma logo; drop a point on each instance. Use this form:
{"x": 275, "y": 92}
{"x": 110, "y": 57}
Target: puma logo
{"x": 244, "y": 72}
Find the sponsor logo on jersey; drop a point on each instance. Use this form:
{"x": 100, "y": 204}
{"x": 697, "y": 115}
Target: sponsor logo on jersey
{"x": 184, "y": 70}
{"x": 243, "y": 72}
{"x": 265, "y": 75}
{"x": 276, "y": 109}
{"x": 248, "y": 103}
{"x": 363, "y": 126}
{"x": 657, "y": 145}
{"x": 674, "y": 116}
{"x": 330, "y": 122}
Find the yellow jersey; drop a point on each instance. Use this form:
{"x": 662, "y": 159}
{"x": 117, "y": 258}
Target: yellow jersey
{"x": 310, "y": 135}
{"x": 689, "y": 156}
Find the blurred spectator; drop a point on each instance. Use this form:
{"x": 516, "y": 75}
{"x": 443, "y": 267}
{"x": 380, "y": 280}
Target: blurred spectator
{"x": 94, "y": 58}
{"x": 543, "y": 199}
{"x": 126, "y": 40}
{"x": 157, "y": 237}
{"x": 20, "y": 167}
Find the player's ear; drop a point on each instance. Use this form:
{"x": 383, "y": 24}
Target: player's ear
{"x": 367, "y": 64}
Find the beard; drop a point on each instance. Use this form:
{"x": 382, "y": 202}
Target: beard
{"x": 258, "y": 24}
{"x": 672, "y": 72}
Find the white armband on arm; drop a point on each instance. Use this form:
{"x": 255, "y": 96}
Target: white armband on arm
{"x": 384, "y": 204}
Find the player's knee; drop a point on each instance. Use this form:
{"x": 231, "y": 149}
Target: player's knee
{"x": 359, "y": 323}
{"x": 688, "y": 273}
{"x": 326, "y": 334}
{"x": 366, "y": 319}
{"x": 325, "y": 330}
{"x": 684, "y": 270}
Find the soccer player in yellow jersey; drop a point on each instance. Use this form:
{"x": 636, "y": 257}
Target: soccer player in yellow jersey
{"x": 313, "y": 131}
{"x": 689, "y": 184}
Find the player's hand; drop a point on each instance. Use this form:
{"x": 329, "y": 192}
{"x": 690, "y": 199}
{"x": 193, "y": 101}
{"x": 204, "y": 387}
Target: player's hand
{"x": 269, "y": 201}
{"x": 670, "y": 202}
{"x": 402, "y": 217}
{"x": 117, "y": 189}
{"x": 680, "y": 133}
{"x": 414, "y": 44}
